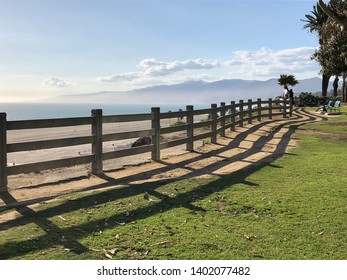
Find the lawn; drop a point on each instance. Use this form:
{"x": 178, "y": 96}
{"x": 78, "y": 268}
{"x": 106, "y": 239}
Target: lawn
{"x": 292, "y": 208}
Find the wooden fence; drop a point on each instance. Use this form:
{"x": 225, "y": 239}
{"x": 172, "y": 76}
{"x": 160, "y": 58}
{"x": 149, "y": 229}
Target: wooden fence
{"x": 220, "y": 118}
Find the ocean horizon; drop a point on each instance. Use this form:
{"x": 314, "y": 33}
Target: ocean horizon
{"x": 32, "y": 111}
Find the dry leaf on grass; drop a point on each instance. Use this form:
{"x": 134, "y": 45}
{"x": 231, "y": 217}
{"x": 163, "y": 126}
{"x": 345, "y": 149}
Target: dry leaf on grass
{"x": 110, "y": 253}
{"x": 249, "y": 237}
{"x": 94, "y": 250}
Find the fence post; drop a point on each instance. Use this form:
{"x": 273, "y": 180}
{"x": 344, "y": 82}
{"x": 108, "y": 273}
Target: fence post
{"x": 232, "y": 116}
{"x": 241, "y": 113}
{"x": 156, "y": 130}
{"x": 270, "y": 108}
{"x": 97, "y": 164}
{"x": 222, "y": 122}
{"x": 284, "y": 108}
{"x": 214, "y": 123}
{"x": 190, "y": 129}
{"x": 259, "y": 109}
{"x": 3, "y": 153}
{"x": 249, "y": 111}
{"x": 290, "y": 108}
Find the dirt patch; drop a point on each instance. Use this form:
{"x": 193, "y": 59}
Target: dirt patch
{"x": 339, "y": 124}
{"x": 331, "y": 136}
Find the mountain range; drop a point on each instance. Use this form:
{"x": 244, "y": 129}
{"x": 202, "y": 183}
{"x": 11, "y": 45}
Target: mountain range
{"x": 193, "y": 92}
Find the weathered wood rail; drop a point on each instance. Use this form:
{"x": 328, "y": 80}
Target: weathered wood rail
{"x": 220, "y": 119}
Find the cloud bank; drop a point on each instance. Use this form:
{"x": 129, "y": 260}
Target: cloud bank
{"x": 263, "y": 63}
{"x": 56, "y": 82}
{"x": 153, "y": 68}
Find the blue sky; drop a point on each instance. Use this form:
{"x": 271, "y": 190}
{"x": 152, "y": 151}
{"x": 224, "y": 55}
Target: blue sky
{"x": 56, "y": 47}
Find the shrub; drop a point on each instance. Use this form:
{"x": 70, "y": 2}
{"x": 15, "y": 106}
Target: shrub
{"x": 308, "y": 99}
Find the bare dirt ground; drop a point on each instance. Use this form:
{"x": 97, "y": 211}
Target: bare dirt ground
{"x": 253, "y": 144}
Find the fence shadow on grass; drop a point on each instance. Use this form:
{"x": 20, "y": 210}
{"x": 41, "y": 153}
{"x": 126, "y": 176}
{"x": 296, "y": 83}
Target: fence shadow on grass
{"x": 68, "y": 237}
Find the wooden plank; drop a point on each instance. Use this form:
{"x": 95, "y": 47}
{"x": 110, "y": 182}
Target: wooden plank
{"x": 168, "y": 115}
{"x": 97, "y": 147}
{"x": 254, "y": 110}
{"x": 127, "y": 118}
{"x": 127, "y": 135}
{"x": 227, "y": 107}
{"x": 165, "y": 130}
{"x": 230, "y": 125}
{"x": 48, "y": 123}
{"x": 241, "y": 108}
{"x": 214, "y": 116}
{"x": 202, "y": 124}
{"x": 39, "y": 166}
{"x": 220, "y": 118}
{"x": 202, "y": 111}
{"x": 220, "y": 129}
{"x": 127, "y": 152}
{"x": 49, "y": 144}
{"x": 247, "y": 111}
{"x": 255, "y": 117}
{"x": 223, "y": 118}
{"x": 232, "y": 116}
{"x": 190, "y": 128}
{"x": 155, "y": 125}
{"x": 265, "y": 102}
{"x": 237, "y": 114}
{"x": 3, "y": 153}
{"x": 202, "y": 136}
{"x": 237, "y": 122}
{"x": 174, "y": 143}
{"x": 270, "y": 108}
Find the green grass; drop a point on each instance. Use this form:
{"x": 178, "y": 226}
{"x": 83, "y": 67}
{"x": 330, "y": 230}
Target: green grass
{"x": 294, "y": 207}
{"x": 337, "y": 125}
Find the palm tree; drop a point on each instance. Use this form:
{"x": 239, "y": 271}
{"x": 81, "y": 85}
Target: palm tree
{"x": 287, "y": 80}
{"x": 315, "y": 22}
{"x": 338, "y": 17}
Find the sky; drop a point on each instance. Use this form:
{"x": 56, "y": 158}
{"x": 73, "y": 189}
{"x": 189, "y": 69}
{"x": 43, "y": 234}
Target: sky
{"x": 58, "y": 47}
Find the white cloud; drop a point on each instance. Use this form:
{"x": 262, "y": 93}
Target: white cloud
{"x": 159, "y": 68}
{"x": 233, "y": 62}
{"x": 269, "y": 56}
{"x": 150, "y": 62}
{"x": 154, "y": 68}
{"x": 250, "y": 57}
{"x": 56, "y": 82}
{"x": 262, "y": 63}
{"x": 268, "y": 63}
{"x": 121, "y": 77}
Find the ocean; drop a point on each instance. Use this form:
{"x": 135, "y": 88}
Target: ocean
{"x": 31, "y": 111}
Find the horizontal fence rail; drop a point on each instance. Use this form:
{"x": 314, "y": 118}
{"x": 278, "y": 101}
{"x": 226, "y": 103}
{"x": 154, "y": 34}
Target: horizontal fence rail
{"x": 216, "y": 120}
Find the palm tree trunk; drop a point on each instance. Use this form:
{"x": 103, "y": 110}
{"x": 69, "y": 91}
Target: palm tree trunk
{"x": 344, "y": 88}
{"x": 336, "y": 85}
{"x": 325, "y": 84}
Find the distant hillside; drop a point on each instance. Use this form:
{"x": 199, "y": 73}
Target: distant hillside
{"x": 193, "y": 92}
